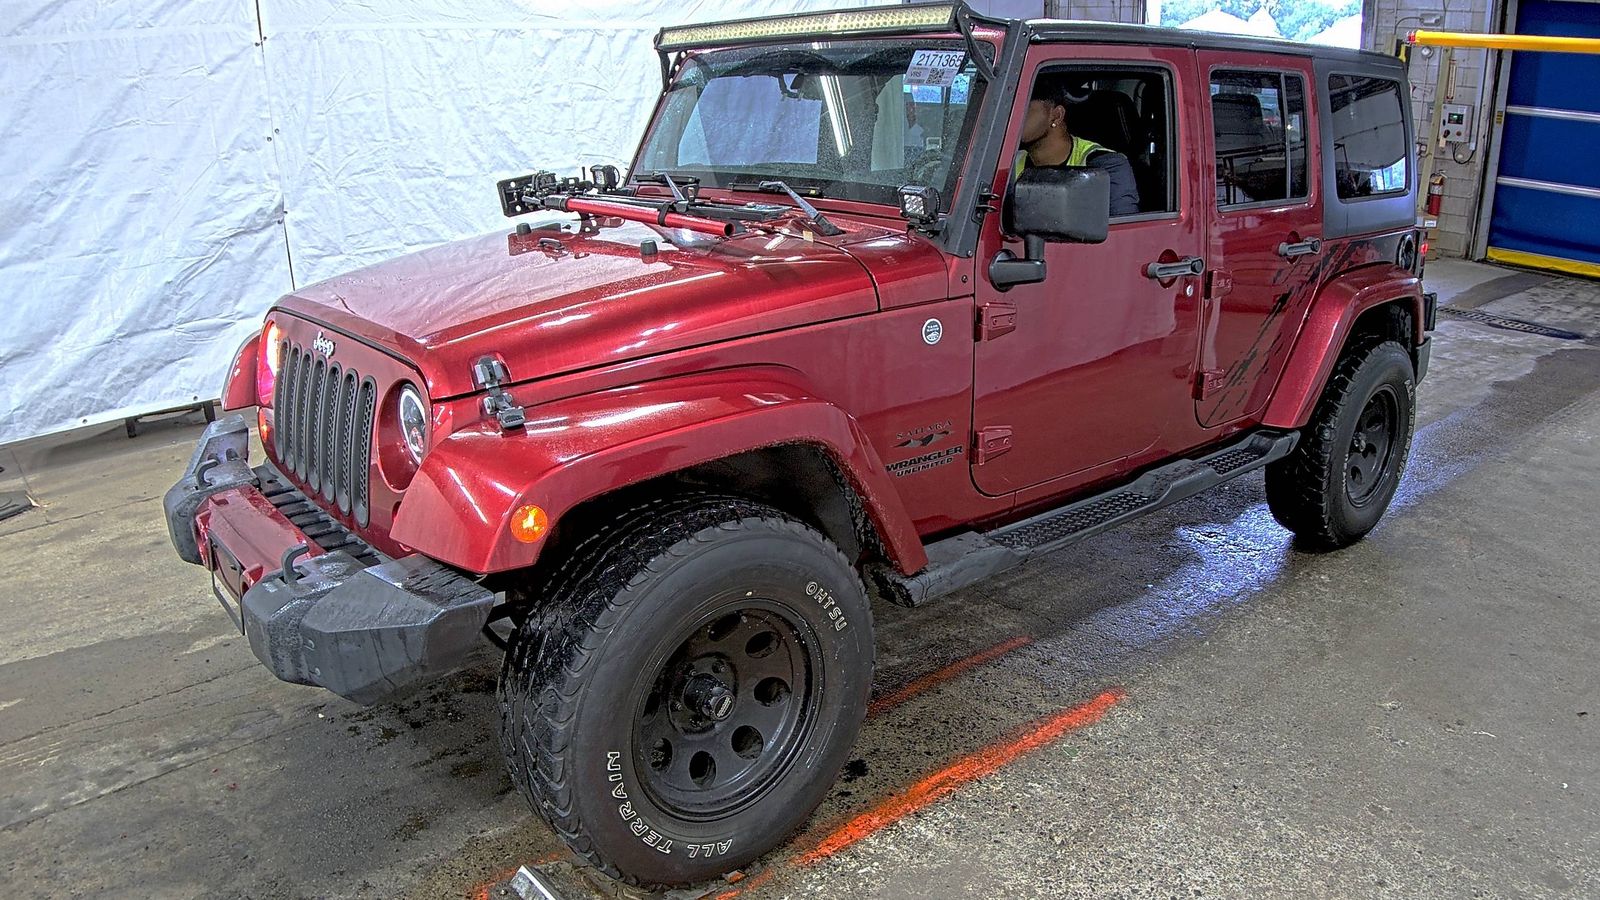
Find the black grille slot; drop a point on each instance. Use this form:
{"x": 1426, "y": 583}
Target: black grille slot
{"x": 361, "y": 450}
{"x": 302, "y": 405}
{"x": 325, "y": 415}
{"x": 346, "y": 456}
{"x": 330, "y": 434}
{"x": 315, "y": 415}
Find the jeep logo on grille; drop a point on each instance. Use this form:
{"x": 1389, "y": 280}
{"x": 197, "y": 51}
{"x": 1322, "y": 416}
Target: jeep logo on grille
{"x": 323, "y": 344}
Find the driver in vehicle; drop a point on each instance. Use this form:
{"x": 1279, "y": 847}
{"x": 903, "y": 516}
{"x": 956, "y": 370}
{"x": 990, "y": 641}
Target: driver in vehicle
{"x": 1047, "y": 142}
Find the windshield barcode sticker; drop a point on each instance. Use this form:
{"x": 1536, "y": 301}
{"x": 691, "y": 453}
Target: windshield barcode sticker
{"x": 935, "y": 67}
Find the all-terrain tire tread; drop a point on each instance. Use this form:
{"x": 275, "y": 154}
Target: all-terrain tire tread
{"x": 1300, "y": 488}
{"x": 584, "y": 597}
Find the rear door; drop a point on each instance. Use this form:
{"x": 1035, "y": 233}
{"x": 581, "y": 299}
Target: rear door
{"x": 1093, "y": 365}
{"x": 1265, "y": 227}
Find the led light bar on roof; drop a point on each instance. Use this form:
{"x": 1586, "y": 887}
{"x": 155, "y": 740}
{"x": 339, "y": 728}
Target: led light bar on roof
{"x": 924, "y": 17}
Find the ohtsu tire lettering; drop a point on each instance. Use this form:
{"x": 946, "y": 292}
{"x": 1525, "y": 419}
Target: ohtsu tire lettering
{"x": 825, "y": 599}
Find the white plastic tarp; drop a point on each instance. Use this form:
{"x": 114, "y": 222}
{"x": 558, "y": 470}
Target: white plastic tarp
{"x": 139, "y": 231}
{"x": 175, "y": 166}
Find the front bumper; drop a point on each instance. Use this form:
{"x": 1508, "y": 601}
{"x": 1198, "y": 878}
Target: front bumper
{"x": 335, "y": 614}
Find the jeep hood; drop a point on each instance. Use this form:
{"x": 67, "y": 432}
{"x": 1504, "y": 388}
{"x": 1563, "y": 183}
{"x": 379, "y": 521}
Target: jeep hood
{"x": 556, "y": 300}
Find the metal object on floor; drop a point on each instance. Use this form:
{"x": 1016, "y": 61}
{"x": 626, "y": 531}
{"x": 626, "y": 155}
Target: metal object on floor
{"x": 567, "y": 879}
{"x": 528, "y": 885}
{"x": 14, "y": 503}
{"x": 1509, "y": 324}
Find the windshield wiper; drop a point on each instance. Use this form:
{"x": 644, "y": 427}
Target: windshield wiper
{"x": 777, "y": 187}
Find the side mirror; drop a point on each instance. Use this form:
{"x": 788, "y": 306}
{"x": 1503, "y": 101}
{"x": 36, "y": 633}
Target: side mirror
{"x": 1070, "y": 205}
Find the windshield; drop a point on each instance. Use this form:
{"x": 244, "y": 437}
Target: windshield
{"x": 850, "y": 120}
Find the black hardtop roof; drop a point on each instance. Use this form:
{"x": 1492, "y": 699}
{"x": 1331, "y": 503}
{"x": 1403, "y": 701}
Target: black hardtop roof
{"x": 1070, "y": 30}
{"x": 1067, "y": 30}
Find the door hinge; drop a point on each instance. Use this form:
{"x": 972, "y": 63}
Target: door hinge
{"x": 1208, "y": 382}
{"x": 996, "y": 317}
{"x": 991, "y": 442}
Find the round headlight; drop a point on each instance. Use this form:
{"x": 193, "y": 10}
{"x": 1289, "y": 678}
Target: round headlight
{"x": 413, "y": 422}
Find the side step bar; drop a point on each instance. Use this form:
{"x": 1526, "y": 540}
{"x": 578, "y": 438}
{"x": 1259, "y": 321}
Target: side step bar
{"x": 970, "y": 557}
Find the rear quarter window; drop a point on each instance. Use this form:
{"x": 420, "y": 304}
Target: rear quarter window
{"x": 1369, "y": 136}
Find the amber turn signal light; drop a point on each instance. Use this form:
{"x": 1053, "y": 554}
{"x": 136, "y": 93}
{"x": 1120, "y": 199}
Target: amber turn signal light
{"x": 529, "y": 523}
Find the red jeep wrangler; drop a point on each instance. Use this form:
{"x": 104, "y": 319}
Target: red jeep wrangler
{"x": 890, "y": 300}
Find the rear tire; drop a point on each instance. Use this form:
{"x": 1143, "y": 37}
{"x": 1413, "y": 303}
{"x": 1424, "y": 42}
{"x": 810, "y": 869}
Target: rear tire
{"x": 1337, "y": 483}
{"x": 691, "y": 684}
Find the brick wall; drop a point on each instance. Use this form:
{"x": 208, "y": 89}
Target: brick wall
{"x": 1383, "y": 19}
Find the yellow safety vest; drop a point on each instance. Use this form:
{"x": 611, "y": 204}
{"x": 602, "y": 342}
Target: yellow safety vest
{"x": 1082, "y": 148}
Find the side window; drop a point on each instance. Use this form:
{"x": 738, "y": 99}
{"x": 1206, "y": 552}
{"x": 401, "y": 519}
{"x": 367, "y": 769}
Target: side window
{"x": 1127, "y": 112}
{"x": 1369, "y": 136}
{"x": 1259, "y": 125}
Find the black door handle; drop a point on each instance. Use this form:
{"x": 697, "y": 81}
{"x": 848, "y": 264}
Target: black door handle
{"x": 1179, "y": 268}
{"x": 1296, "y": 249}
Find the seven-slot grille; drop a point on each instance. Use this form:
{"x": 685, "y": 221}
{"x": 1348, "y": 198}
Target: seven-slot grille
{"x": 324, "y": 416}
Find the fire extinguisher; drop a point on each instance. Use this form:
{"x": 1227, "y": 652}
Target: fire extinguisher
{"x": 1435, "y": 193}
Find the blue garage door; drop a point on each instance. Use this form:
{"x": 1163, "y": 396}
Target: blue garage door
{"x": 1547, "y": 193}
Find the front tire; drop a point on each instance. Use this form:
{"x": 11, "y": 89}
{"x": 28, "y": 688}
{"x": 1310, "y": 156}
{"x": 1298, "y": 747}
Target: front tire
{"x": 693, "y": 684}
{"x": 1337, "y": 483}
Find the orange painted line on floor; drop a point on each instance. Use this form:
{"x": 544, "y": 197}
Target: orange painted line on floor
{"x": 939, "y": 676}
{"x": 963, "y": 771}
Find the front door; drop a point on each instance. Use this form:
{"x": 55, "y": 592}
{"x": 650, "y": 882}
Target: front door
{"x": 1094, "y": 364}
{"x": 1264, "y": 246}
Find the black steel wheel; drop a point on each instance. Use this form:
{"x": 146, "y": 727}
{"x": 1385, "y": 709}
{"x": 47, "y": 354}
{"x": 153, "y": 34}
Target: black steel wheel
{"x": 691, "y": 683}
{"x": 726, "y": 715}
{"x": 1336, "y": 484}
{"x": 1370, "y": 456}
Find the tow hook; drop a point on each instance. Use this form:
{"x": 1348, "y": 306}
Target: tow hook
{"x": 490, "y": 372}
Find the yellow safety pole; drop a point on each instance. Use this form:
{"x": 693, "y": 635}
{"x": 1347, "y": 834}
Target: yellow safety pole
{"x": 1451, "y": 40}
{"x": 1504, "y": 41}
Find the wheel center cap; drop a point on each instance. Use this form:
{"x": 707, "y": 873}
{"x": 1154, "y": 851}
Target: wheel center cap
{"x": 709, "y": 697}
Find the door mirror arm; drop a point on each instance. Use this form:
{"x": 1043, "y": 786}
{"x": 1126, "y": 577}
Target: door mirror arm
{"x": 1066, "y": 205}
{"x": 1006, "y": 270}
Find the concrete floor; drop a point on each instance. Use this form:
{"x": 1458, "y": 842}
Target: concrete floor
{"x": 1415, "y": 716}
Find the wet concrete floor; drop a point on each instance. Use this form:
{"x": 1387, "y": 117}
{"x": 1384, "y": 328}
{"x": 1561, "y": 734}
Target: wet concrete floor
{"x": 1413, "y": 717}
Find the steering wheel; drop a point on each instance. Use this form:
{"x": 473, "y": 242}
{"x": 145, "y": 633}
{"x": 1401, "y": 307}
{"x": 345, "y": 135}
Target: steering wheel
{"x": 925, "y": 171}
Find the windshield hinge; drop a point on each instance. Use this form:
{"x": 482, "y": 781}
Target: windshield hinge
{"x": 988, "y": 202}
{"x": 974, "y": 51}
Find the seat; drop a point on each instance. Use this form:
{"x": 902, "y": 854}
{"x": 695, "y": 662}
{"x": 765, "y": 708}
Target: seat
{"x": 1240, "y": 124}
{"x": 1247, "y": 170}
{"x": 1111, "y": 119}
{"x": 1108, "y": 118}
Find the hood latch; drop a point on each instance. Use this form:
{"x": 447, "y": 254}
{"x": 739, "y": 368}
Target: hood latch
{"x": 490, "y": 373}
